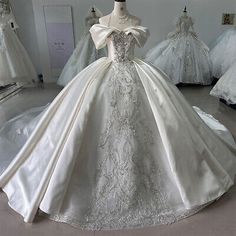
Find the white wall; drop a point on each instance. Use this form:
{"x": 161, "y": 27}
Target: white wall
{"x": 158, "y": 15}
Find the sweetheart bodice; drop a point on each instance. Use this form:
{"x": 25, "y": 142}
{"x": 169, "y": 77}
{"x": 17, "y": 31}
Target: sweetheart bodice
{"x": 120, "y": 43}
{"x": 121, "y": 46}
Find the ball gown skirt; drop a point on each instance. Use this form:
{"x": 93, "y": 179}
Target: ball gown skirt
{"x": 223, "y": 52}
{"x": 15, "y": 64}
{"x": 225, "y": 88}
{"x": 184, "y": 58}
{"x": 119, "y": 147}
{"x": 84, "y": 54}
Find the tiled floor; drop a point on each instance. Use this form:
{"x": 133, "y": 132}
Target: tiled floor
{"x": 219, "y": 219}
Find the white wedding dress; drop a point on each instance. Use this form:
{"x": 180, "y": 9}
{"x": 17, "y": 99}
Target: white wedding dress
{"x": 84, "y": 54}
{"x": 223, "y": 52}
{"x": 119, "y": 147}
{"x": 225, "y": 88}
{"x": 15, "y": 64}
{"x": 183, "y": 57}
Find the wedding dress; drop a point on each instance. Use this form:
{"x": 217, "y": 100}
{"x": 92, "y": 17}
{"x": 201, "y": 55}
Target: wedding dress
{"x": 225, "y": 88}
{"x": 15, "y": 64}
{"x": 119, "y": 147}
{"x": 84, "y": 54}
{"x": 183, "y": 57}
{"x": 223, "y": 52}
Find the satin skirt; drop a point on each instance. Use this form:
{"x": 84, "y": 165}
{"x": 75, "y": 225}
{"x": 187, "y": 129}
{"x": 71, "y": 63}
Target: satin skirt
{"x": 184, "y": 58}
{"x": 119, "y": 147}
{"x": 84, "y": 54}
{"x": 15, "y": 64}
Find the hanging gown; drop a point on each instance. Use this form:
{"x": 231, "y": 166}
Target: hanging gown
{"x": 119, "y": 147}
{"x": 225, "y": 88}
{"x": 15, "y": 64}
{"x": 84, "y": 54}
{"x": 183, "y": 57}
{"x": 223, "y": 52}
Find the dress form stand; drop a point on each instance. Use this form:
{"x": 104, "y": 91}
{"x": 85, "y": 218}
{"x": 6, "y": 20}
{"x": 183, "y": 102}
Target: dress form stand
{"x": 93, "y": 18}
{"x": 120, "y": 17}
{"x": 185, "y": 17}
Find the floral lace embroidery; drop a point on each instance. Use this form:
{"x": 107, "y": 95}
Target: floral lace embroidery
{"x": 127, "y": 176}
{"x": 123, "y": 44}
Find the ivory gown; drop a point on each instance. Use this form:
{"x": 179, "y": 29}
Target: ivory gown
{"x": 119, "y": 147}
{"x": 15, "y": 64}
{"x": 183, "y": 57}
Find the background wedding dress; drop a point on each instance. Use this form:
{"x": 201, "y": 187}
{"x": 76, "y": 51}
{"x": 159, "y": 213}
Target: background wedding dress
{"x": 15, "y": 64}
{"x": 223, "y": 52}
{"x": 119, "y": 147}
{"x": 84, "y": 54}
{"x": 225, "y": 88}
{"x": 183, "y": 57}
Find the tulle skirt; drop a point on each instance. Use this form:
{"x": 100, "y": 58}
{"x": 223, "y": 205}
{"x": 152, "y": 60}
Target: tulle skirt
{"x": 226, "y": 86}
{"x": 84, "y": 54}
{"x": 223, "y": 52}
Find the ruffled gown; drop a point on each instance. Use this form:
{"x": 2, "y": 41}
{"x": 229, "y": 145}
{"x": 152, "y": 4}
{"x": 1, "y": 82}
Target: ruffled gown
{"x": 183, "y": 57}
{"x": 119, "y": 147}
{"x": 15, "y": 64}
{"x": 84, "y": 54}
{"x": 225, "y": 88}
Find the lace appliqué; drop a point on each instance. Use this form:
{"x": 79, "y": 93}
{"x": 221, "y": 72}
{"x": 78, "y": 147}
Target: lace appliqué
{"x": 2, "y": 41}
{"x": 123, "y": 44}
{"x": 127, "y": 190}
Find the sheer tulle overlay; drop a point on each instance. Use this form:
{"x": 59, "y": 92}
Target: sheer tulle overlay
{"x": 84, "y": 54}
{"x": 119, "y": 147}
{"x": 226, "y": 86}
{"x": 183, "y": 57}
{"x": 15, "y": 64}
{"x": 223, "y": 52}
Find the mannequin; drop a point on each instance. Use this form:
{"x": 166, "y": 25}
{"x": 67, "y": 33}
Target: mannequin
{"x": 185, "y": 13}
{"x": 92, "y": 18}
{"x": 120, "y": 17}
{"x": 187, "y": 18}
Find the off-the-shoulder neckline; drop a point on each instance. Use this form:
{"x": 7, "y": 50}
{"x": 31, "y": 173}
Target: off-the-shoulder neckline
{"x": 113, "y": 27}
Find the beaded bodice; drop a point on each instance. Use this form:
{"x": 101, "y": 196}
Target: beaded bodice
{"x": 121, "y": 46}
{"x": 3, "y": 22}
{"x": 185, "y": 24}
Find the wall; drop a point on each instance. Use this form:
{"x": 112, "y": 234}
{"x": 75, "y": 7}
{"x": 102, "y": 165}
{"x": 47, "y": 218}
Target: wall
{"x": 159, "y": 16}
